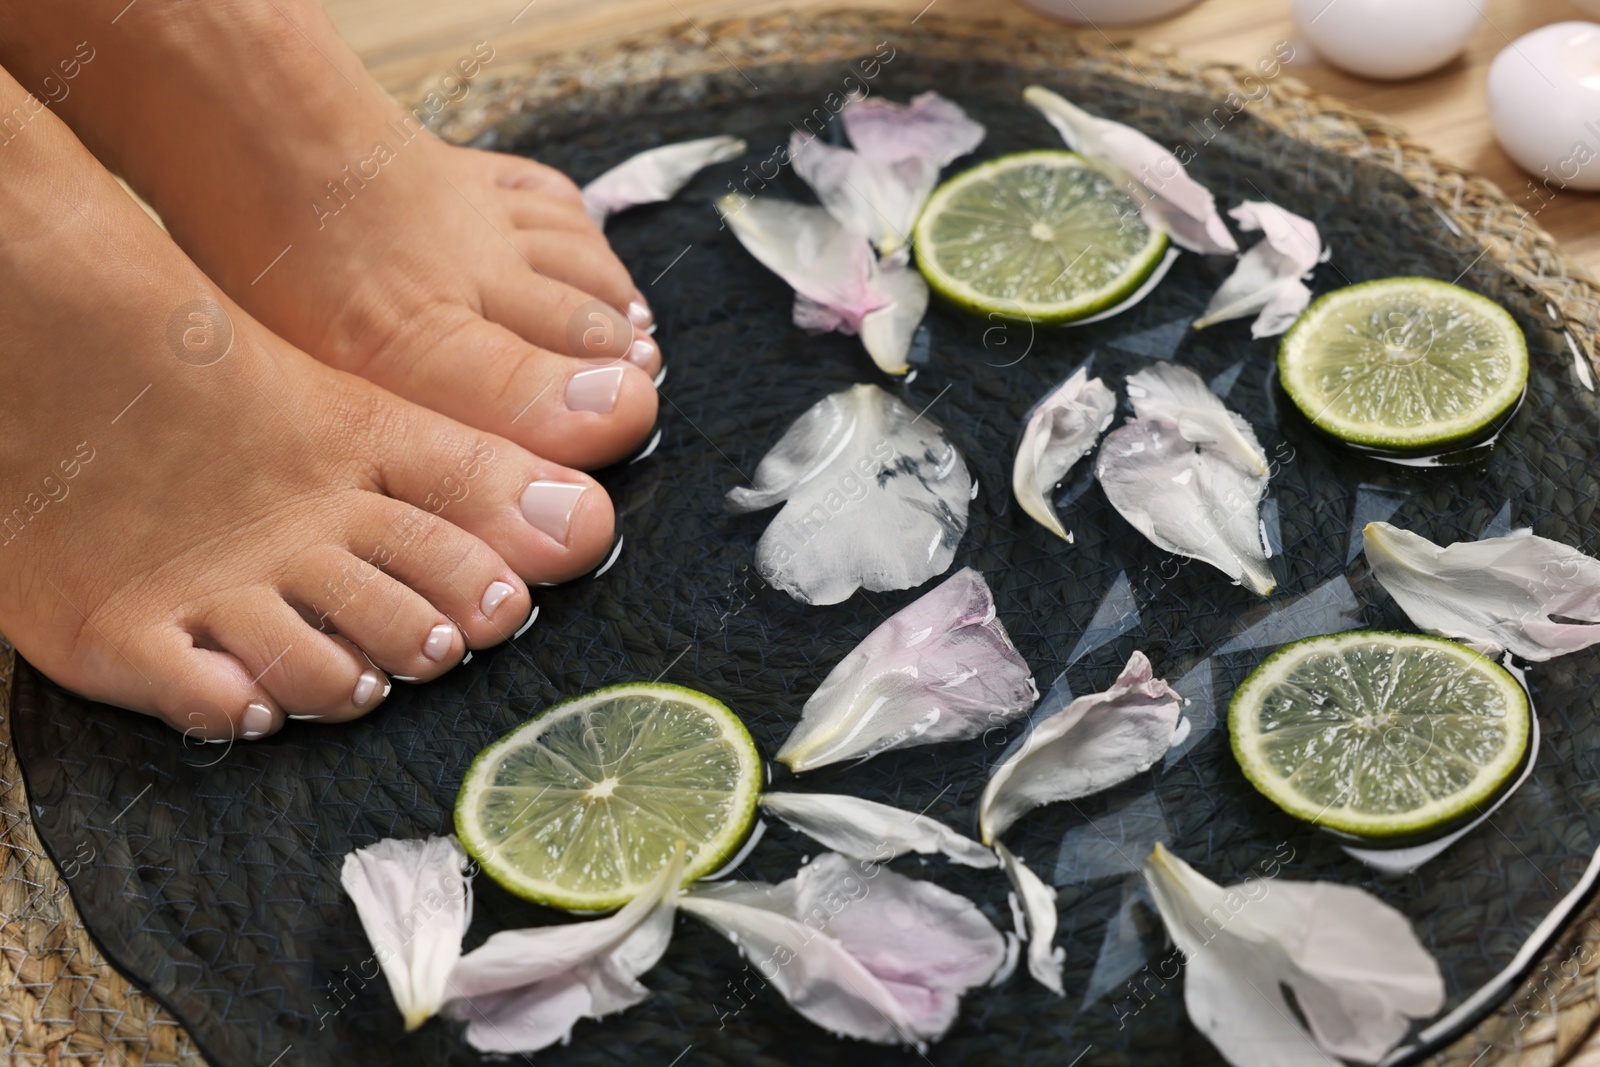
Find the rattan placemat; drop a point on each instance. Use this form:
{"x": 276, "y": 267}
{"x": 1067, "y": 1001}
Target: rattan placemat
{"x": 61, "y": 1003}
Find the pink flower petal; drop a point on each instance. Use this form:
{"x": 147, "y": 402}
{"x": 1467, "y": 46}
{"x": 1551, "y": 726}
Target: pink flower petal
{"x": 654, "y": 175}
{"x": 1266, "y": 281}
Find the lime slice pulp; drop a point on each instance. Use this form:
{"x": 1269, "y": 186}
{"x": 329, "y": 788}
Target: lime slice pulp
{"x": 1042, "y": 236}
{"x": 1406, "y": 365}
{"x": 1380, "y": 735}
{"x": 582, "y": 806}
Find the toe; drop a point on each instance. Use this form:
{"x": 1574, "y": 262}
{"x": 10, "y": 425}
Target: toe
{"x": 206, "y": 694}
{"x": 530, "y": 210}
{"x": 307, "y": 673}
{"x": 515, "y": 172}
{"x": 583, "y": 261}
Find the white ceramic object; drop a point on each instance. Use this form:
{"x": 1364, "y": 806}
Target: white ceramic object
{"x": 1387, "y": 39}
{"x": 1544, "y": 101}
{"x": 1109, "y": 12}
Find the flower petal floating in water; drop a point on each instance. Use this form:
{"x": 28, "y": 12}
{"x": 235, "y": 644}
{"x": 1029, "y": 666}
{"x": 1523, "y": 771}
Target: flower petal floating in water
{"x": 1176, "y": 393}
{"x": 1034, "y": 904}
{"x": 884, "y": 960}
{"x": 941, "y": 669}
{"x": 523, "y": 990}
{"x": 877, "y": 188}
{"x": 1187, "y": 499}
{"x": 876, "y": 497}
{"x": 655, "y": 175}
{"x": 1501, "y": 593}
{"x": 1357, "y": 972}
{"x": 1266, "y": 282}
{"x": 1091, "y": 744}
{"x": 418, "y": 891}
{"x": 1172, "y": 200}
{"x": 865, "y": 830}
{"x": 839, "y": 284}
{"x": 1061, "y": 429}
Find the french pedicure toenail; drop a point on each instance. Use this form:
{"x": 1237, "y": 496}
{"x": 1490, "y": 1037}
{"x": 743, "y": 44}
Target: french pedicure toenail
{"x": 255, "y": 722}
{"x": 437, "y": 644}
{"x": 494, "y": 596}
{"x": 639, "y": 313}
{"x": 549, "y": 506}
{"x": 641, "y": 352}
{"x": 595, "y": 390}
{"x": 367, "y": 686}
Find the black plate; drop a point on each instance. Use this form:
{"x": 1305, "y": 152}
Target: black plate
{"x": 210, "y": 875}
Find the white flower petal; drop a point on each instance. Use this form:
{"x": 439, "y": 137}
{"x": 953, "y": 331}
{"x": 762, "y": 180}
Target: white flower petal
{"x": 1266, "y": 280}
{"x": 940, "y": 669}
{"x": 858, "y": 949}
{"x": 1186, "y": 499}
{"x": 1037, "y": 903}
{"x": 865, "y": 830}
{"x": 888, "y": 332}
{"x": 414, "y": 899}
{"x": 1091, "y": 744}
{"x": 1494, "y": 594}
{"x": 879, "y": 185}
{"x": 1060, "y": 430}
{"x": 876, "y": 495}
{"x": 1174, "y": 202}
{"x": 1355, "y": 966}
{"x": 1177, "y": 394}
{"x": 654, "y": 175}
{"x": 523, "y": 990}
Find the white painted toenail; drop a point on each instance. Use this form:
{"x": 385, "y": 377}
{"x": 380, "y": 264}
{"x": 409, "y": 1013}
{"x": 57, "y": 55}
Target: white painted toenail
{"x": 641, "y": 352}
{"x": 256, "y": 721}
{"x": 366, "y": 686}
{"x": 549, "y": 506}
{"x": 437, "y": 645}
{"x": 639, "y": 313}
{"x": 595, "y": 390}
{"x": 494, "y": 596}
{"x": 306, "y": 718}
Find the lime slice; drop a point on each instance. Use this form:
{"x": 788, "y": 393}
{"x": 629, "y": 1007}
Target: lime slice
{"x": 581, "y": 807}
{"x": 1381, "y": 735}
{"x": 1038, "y": 236}
{"x": 1407, "y": 365}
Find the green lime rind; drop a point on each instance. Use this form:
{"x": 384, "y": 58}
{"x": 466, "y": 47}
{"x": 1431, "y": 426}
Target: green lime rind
{"x": 1407, "y": 365}
{"x": 1047, "y": 237}
{"x": 583, "y": 838}
{"x": 1395, "y": 748}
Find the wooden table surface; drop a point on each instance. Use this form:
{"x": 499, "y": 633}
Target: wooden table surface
{"x": 406, "y": 41}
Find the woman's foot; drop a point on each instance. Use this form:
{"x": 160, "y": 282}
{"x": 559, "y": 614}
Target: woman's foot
{"x": 470, "y": 282}
{"x": 198, "y": 521}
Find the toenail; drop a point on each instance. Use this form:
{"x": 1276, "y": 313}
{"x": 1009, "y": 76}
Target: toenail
{"x": 642, "y": 352}
{"x": 595, "y": 390}
{"x": 437, "y": 645}
{"x": 639, "y": 313}
{"x": 367, "y": 686}
{"x": 494, "y": 596}
{"x": 256, "y": 721}
{"x": 549, "y": 506}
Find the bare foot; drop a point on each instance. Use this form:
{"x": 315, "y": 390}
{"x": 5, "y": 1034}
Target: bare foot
{"x": 470, "y": 282}
{"x": 200, "y": 522}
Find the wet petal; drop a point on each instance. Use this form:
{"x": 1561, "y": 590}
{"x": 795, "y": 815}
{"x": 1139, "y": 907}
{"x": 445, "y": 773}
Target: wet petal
{"x": 655, "y": 174}
{"x": 1266, "y": 281}
{"x": 1060, "y": 430}
{"x": 523, "y": 990}
{"x": 839, "y": 284}
{"x": 876, "y": 495}
{"x": 1092, "y": 744}
{"x": 866, "y": 830}
{"x": 1498, "y": 593}
{"x": 940, "y": 669}
{"x": 878, "y": 186}
{"x": 414, "y": 899}
{"x": 857, "y": 949}
{"x": 1035, "y": 903}
{"x": 1186, "y": 499}
{"x": 1358, "y": 973}
{"x": 1176, "y": 393}
{"x": 1173, "y": 201}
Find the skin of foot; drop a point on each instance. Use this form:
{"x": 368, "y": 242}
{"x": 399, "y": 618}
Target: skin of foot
{"x": 470, "y": 282}
{"x": 200, "y": 522}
